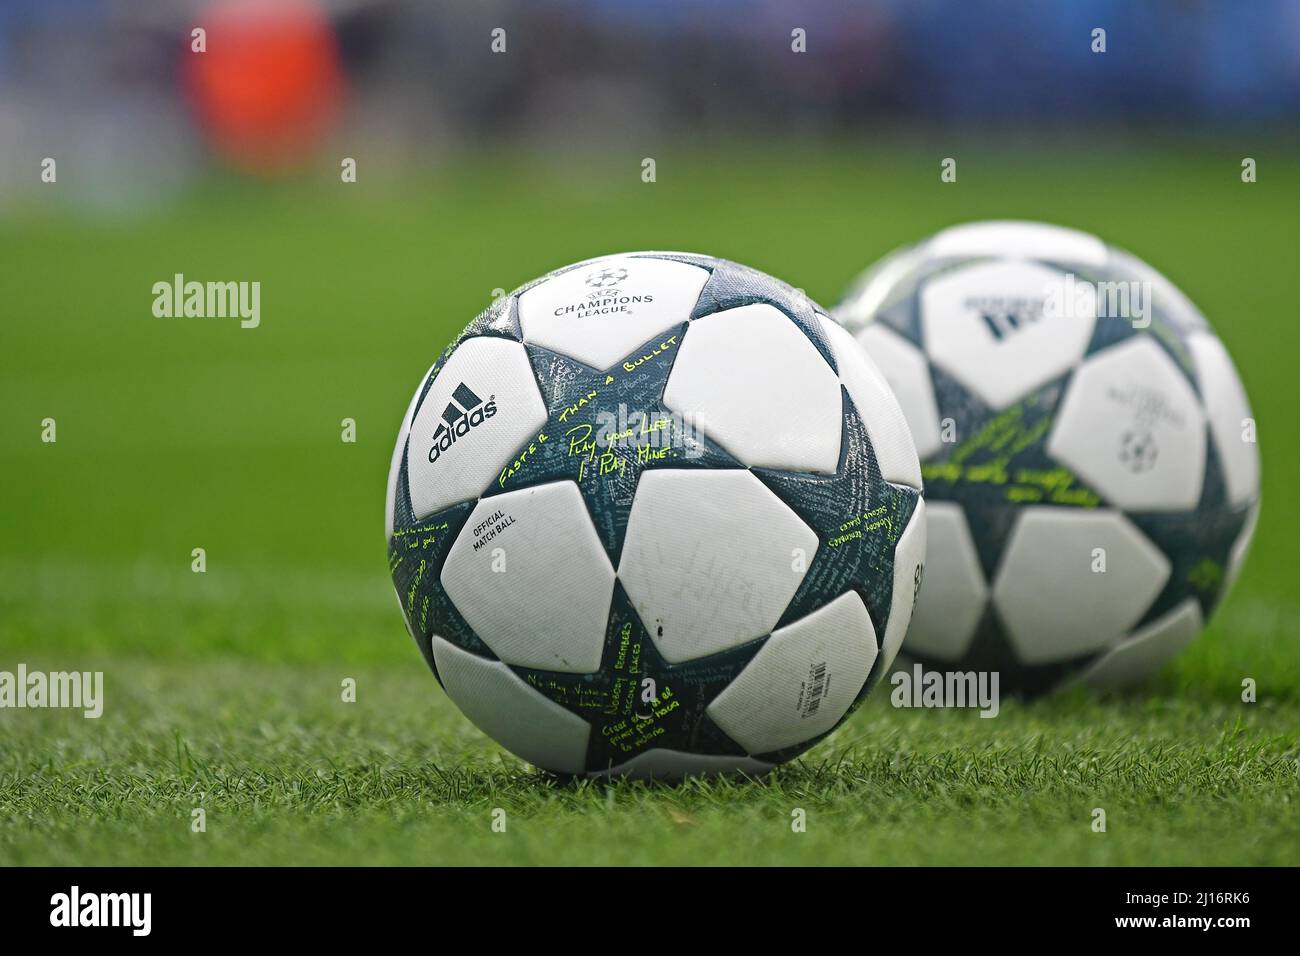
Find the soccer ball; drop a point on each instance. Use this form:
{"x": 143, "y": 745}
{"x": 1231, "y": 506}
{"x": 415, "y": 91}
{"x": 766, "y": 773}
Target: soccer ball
{"x": 1091, "y": 476}
{"x": 655, "y": 514}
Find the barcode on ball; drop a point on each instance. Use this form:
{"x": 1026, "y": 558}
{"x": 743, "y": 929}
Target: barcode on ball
{"x": 815, "y": 689}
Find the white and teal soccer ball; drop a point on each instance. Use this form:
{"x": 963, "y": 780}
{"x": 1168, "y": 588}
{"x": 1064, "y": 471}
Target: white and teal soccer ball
{"x": 1091, "y": 475}
{"x": 655, "y": 514}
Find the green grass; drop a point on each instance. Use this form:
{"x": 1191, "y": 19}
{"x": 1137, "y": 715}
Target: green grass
{"x": 286, "y": 772}
{"x": 223, "y": 689}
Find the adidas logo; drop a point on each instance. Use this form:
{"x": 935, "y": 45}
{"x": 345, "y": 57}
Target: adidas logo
{"x": 465, "y": 411}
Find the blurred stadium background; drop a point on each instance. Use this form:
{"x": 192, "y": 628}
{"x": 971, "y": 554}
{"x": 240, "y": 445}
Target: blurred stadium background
{"x": 477, "y": 171}
{"x": 408, "y": 85}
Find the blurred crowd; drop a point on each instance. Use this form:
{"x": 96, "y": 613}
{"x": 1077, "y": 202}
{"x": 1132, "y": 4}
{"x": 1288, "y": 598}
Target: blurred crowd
{"x": 119, "y": 81}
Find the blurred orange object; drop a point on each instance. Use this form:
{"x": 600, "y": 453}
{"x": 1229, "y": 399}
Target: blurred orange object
{"x": 269, "y": 86}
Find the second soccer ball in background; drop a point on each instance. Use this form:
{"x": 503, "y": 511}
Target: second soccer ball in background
{"x": 1088, "y": 452}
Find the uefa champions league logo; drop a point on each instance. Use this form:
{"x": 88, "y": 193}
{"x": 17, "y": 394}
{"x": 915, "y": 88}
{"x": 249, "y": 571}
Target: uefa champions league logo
{"x": 604, "y": 281}
{"x": 604, "y": 278}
